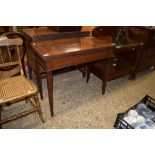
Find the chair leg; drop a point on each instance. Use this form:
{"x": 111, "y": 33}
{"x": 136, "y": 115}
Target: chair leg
{"x": 154, "y": 67}
{"x": 26, "y": 100}
{"x": 0, "y": 117}
{"x": 88, "y": 74}
{"x": 35, "y": 97}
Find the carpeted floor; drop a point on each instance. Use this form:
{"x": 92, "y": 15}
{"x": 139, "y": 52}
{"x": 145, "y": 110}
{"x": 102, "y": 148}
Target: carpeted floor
{"x": 78, "y": 104}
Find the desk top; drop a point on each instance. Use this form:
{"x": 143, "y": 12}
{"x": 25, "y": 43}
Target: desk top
{"x": 44, "y": 33}
{"x": 51, "y": 49}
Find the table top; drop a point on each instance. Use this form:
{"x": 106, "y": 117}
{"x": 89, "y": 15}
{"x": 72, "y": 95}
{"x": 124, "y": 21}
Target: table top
{"x": 44, "y": 33}
{"x": 51, "y": 49}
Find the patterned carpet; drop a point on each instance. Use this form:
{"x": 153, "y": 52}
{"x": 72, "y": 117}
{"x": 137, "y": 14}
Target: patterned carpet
{"x": 78, "y": 104}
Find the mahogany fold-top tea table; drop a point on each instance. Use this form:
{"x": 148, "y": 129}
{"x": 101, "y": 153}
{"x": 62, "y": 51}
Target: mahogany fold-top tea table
{"x": 57, "y": 54}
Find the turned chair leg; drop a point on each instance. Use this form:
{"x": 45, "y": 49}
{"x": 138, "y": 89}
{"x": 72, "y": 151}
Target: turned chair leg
{"x": 0, "y": 116}
{"x": 35, "y": 97}
{"x": 26, "y": 100}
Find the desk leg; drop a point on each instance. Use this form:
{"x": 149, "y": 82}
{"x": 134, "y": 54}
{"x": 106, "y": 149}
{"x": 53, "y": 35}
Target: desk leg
{"x": 136, "y": 64}
{"x": 30, "y": 72}
{"x": 38, "y": 78}
{"x": 106, "y": 74}
{"x": 50, "y": 90}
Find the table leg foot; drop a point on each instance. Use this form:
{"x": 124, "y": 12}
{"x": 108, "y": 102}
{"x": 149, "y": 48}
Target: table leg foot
{"x": 50, "y": 91}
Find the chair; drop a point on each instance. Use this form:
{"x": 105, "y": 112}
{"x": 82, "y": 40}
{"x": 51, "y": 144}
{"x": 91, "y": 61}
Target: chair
{"x": 16, "y": 88}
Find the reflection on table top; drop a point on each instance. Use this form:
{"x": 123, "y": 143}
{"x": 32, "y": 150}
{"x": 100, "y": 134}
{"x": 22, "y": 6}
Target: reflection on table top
{"x": 44, "y": 33}
{"x": 56, "y": 48}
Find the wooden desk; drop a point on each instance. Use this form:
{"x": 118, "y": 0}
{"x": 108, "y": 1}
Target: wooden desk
{"x": 41, "y": 34}
{"x": 124, "y": 63}
{"x": 127, "y": 53}
{"x": 58, "y": 54}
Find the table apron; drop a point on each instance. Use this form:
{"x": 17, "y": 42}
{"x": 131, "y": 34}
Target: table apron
{"x": 71, "y": 60}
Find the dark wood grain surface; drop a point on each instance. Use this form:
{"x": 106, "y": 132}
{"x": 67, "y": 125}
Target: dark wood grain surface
{"x": 44, "y": 33}
{"x": 58, "y": 48}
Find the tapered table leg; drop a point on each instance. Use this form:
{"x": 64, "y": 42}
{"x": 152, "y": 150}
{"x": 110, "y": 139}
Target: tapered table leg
{"x": 38, "y": 78}
{"x": 106, "y": 74}
{"x": 50, "y": 90}
{"x": 30, "y": 72}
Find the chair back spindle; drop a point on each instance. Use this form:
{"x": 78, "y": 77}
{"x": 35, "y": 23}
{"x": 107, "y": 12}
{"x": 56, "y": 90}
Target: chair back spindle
{"x": 2, "y": 61}
{"x": 10, "y": 54}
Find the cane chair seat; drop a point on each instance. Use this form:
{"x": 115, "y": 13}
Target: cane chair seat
{"x": 15, "y": 88}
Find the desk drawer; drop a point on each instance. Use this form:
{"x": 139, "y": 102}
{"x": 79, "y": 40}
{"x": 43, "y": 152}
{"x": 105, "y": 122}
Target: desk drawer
{"x": 81, "y": 58}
